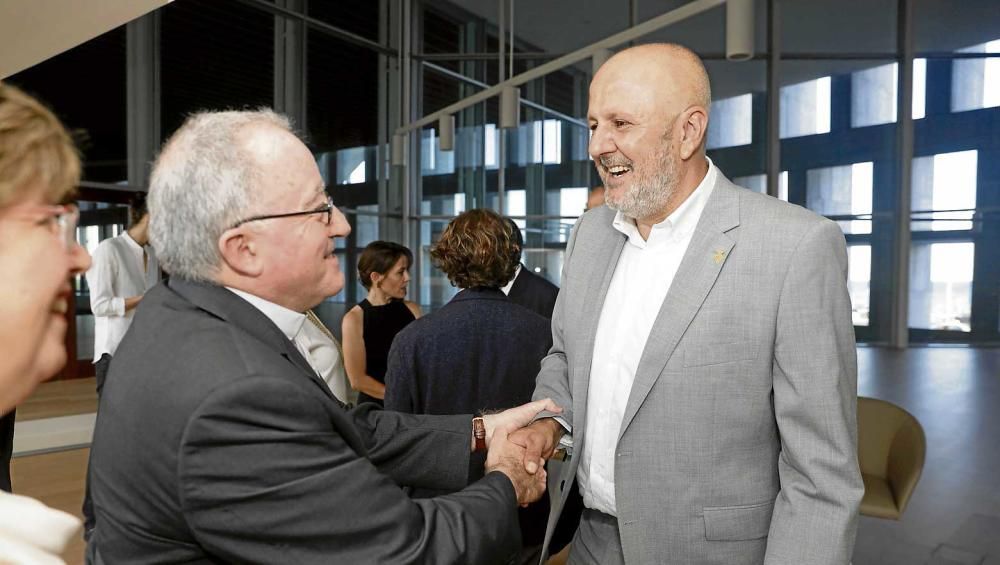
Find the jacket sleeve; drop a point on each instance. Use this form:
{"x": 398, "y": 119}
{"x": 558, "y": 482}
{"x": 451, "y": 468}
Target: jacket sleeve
{"x": 101, "y": 279}
{"x": 553, "y": 379}
{"x": 815, "y": 402}
{"x": 265, "y": 478}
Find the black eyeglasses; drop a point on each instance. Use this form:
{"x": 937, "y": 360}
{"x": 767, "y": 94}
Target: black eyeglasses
{"x": 325, "y": 209}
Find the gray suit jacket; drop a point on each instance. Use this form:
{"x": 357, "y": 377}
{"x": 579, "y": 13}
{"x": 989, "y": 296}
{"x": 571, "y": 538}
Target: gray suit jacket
{"x": 216, "y": 442}
{"x": 738, "y": 444}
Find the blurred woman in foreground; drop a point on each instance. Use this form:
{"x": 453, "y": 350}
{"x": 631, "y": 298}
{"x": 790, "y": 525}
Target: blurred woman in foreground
{"x": 39, "y": 255}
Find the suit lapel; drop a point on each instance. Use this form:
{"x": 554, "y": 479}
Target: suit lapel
{"x": 604, "y": 258}
{"x": 704, "y": 259}
{"x": 228, "y": 306}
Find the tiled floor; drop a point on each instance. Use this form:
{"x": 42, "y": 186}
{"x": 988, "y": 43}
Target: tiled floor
{"x": 955, "y": 394}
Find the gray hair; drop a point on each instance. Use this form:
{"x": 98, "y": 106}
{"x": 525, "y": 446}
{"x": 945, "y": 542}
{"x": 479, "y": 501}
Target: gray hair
{"x": 202, "y": 183}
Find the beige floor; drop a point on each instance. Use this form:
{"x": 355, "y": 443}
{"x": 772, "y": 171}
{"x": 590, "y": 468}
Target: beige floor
{"x": 59, "y": 398}
{"x": 57, "y": 480}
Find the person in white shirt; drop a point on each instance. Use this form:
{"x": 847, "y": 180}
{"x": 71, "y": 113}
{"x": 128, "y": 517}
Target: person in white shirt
{"x": 124, "y": 268}
{"x": 39, "y": 255}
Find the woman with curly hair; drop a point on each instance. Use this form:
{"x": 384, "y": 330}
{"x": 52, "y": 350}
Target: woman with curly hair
{"x": 478, "y": 352}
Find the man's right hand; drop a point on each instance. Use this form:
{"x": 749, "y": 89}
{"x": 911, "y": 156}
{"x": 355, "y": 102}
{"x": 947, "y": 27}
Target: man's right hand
{"x": 508, "y": 458}
{"x": 539, "y": 440}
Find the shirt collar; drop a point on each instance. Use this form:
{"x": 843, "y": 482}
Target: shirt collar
{"x": 288, "y": 321}
{"x": 506, "y": 288}
{"x": 681, "y": 221}
{"x": 131, "y": 242}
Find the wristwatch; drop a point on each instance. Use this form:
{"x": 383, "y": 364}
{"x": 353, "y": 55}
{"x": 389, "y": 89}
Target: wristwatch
{"x": 479, "y": 432}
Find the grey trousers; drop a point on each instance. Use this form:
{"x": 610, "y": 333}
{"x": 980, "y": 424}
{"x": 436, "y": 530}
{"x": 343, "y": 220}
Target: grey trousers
{"x": 597, "y": 541}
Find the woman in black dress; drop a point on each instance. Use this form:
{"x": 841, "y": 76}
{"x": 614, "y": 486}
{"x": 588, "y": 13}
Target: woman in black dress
{"x": 369, "y": 328}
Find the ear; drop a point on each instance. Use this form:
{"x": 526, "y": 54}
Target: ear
{"x": 240, "y": 252}
{"x": 694, "y": 128}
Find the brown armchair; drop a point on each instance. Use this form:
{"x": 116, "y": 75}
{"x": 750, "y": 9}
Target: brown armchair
{"x": 891, "y": 450}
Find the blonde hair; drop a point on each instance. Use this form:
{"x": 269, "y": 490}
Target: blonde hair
{"x": 36, "y": 152}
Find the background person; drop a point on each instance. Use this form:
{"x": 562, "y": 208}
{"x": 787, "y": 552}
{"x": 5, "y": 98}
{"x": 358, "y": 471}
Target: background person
{"x": 526, "y": 288}
{"x": 123, "y": 269}
{"x": 39, "y": 255}
{"x": 369, "y": 328}
{"x": 481, "y": 351}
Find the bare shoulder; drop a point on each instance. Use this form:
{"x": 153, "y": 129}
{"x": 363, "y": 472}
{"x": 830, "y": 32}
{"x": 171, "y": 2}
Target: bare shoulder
{"x": 352, "y": 317}
{"x": 414, "y": 308}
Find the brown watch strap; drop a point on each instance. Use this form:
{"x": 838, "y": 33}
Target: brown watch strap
{"x": 479, "y": 433}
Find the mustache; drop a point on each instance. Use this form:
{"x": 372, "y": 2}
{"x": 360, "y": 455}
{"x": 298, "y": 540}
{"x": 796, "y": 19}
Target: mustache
{"x": 608, "y": 161}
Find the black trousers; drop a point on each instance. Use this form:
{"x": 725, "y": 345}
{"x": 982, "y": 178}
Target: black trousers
{"x": 6, "y": 449}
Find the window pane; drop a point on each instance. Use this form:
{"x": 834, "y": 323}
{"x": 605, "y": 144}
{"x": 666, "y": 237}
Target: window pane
{"x": 941, "y": 286}
{"x": 731, "y": 123}
{"x": 873, "y": 95}
{"x": 946, "y": 181}
{"x": 859, "y": 277}
{"x": 842, "y": 191}
{"x": 215, "y": 55}
{"x": 85, "y": 88}
{"x": 975, "y": 83}
{"x": 805, "y": 108}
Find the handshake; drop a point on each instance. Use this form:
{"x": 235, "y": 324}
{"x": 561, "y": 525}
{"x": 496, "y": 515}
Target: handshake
{"x": 519, "y": 450}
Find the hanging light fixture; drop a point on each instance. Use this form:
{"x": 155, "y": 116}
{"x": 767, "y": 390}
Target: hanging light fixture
{"x": 446, "y": 133}
{"x": 740, "y": 22}
{"x": 510, "y": 107}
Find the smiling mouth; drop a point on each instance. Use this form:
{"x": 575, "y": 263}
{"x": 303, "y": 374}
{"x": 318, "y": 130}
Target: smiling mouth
{"x": 618, "y": 170}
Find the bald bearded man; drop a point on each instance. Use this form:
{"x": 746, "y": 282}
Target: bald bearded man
{"x": 702, "y": 348}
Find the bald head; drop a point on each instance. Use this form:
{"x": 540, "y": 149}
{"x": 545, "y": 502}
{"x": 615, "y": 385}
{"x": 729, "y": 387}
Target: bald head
{"x": 673, "y": 72}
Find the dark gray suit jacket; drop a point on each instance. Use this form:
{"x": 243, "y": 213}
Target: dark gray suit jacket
{"x": 215, "y": 442}
{"x": 534, "y": 293}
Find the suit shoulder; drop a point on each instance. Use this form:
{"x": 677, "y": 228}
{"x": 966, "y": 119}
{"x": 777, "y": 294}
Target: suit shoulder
{"x": 777, "y": 215}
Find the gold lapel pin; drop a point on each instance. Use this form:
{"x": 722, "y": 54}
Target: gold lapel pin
{"x": 718, "y": 256}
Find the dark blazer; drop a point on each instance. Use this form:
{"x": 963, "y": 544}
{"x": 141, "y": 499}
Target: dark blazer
{"x": 479, "y": 352}
{"x": 216, "y": 442}
{"x": 533, "y": 292}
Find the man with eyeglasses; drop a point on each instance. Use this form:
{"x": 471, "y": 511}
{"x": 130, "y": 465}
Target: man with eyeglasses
{"x": 218, "y": 442}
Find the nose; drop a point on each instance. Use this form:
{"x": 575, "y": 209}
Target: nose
{"x": 601, "y": 142}
{"x": 79, "y": 259}
{"x": 338, "y": 226}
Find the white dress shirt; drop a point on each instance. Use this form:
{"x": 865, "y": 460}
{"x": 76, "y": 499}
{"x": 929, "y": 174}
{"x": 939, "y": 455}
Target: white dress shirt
{"x": 317, "y": 347}
{"x": 117, "y": 273}
{"x": 640, "y": 282}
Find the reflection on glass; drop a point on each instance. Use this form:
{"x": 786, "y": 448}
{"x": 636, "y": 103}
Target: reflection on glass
{"x": 859, "y": 277}
{"x": 842, "y": 191}
{"x": 805, "y": 108}
{"x": 732, "y": 122}
{"x": 366, "y": 227}
{"x": 944, "y": 191}
{"x": 941, "y": 286}
{"x": 351, "y": 165}
{"x": 975, "y": 83}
